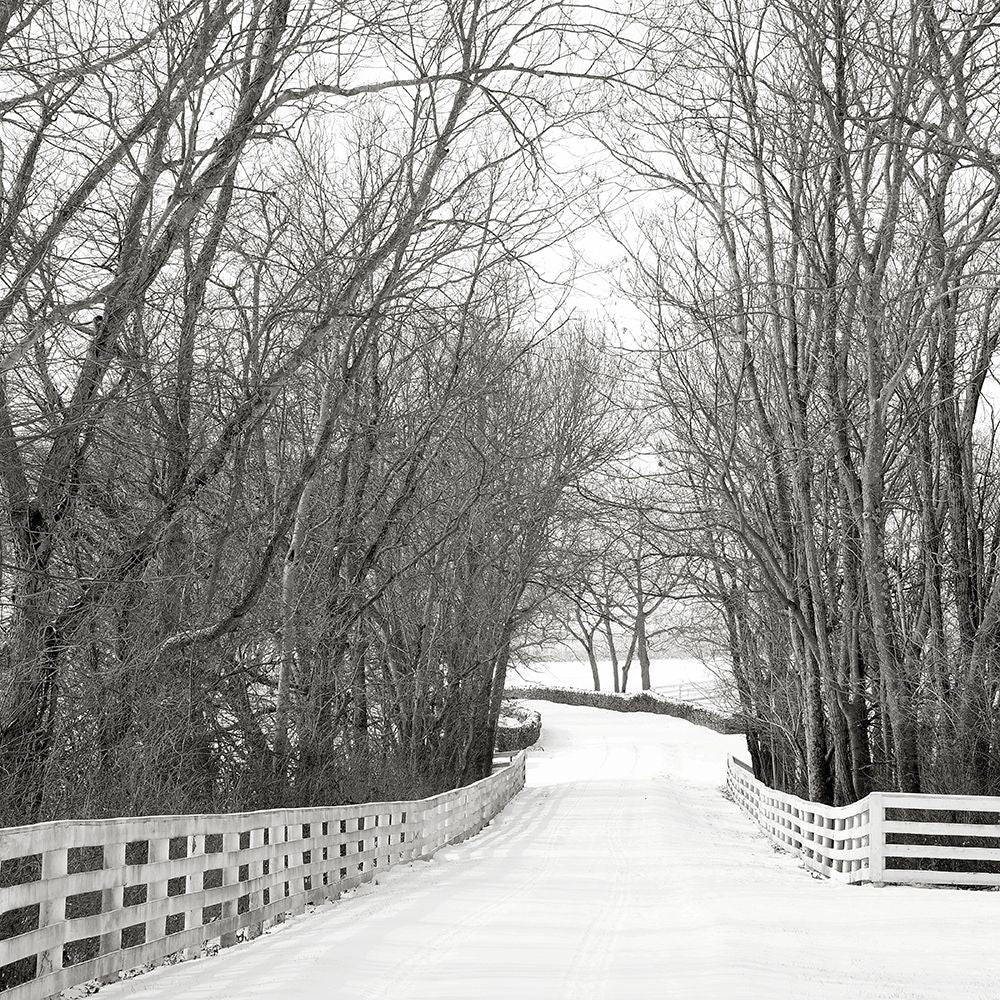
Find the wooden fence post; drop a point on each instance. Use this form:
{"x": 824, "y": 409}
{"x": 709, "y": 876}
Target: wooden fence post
{"x": 876, "y": 838}
{"x": 230, "y": 877}
{"x": 255, "y": 898}
{"x": 112, "y": 900}
{"x": 279, "y": 845}
{"x": 296, "y": 857}
{"x": 156, "y": 889}
{"x": 53, "y": 910}
{"x": 192, "y": 884}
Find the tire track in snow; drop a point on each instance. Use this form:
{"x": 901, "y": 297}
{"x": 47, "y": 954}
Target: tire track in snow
{"x": 513, "y": 844}
{"x": 586, "y": 977}
{"x": 564, "y": 804}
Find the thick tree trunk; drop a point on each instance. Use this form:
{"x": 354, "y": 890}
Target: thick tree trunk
{"x": 819, "y": 784}
{"x": 594, "y": 671}
{"x": 29, "y": 696}
{"x": 627, "y": 665}
{"x": 613, "y": 654}
{"x": 642, "y": 649}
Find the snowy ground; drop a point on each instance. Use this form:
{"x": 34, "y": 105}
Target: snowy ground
{"x": 619, "y": 873}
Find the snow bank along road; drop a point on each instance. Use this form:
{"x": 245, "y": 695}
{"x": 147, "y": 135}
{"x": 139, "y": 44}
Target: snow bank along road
{"x": 620, "y": 872}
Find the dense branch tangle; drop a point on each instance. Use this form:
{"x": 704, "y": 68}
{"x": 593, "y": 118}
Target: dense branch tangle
{"x": 281, "y": 427}
{"x": 826, "y": 298}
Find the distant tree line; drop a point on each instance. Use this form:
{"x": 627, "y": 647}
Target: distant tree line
{"x": 615, "y": 575}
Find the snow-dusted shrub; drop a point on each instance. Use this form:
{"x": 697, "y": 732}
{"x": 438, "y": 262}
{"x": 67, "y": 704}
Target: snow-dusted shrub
{"x": 518, "y": 727}
{"x": 643, "y": 701}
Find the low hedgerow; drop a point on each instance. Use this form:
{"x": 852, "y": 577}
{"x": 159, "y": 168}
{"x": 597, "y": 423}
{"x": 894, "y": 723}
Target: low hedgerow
{"x": 518, "y": 729}
{"x": 643, "y": 701}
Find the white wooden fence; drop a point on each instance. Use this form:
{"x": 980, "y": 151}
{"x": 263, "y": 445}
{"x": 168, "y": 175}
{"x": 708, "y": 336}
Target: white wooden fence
{"x": 117, "y": 894}
{"x": 885, "y": 837}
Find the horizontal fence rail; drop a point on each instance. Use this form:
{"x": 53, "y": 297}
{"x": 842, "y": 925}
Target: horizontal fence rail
{"x": 886, "y": 837}
{"x": 84, "y": 900}
{"x": 833, "y": 840}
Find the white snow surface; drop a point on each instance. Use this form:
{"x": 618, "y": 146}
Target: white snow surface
{"x": 620, "y": 872}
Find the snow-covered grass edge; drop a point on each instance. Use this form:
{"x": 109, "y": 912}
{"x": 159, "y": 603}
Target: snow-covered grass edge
{"x": 642, "y": 701}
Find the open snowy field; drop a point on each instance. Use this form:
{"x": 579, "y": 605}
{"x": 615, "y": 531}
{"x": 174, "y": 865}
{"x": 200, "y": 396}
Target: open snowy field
{"x": 619, "y": 873}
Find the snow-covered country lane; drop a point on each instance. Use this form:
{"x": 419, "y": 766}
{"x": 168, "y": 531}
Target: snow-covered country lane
{"x": 620, "y": 872}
